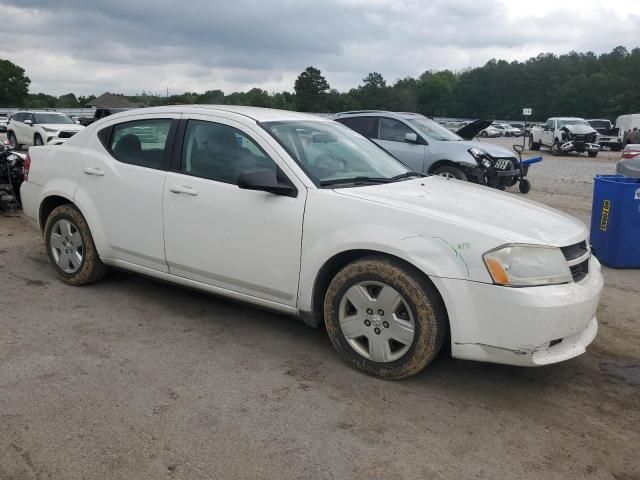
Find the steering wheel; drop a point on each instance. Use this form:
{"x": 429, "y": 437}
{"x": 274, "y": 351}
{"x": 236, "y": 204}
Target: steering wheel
{"x": 329, "y": 164}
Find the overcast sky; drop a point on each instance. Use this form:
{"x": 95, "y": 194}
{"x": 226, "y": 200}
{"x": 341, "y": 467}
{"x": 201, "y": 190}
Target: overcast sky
{"x": 130, "y": 46}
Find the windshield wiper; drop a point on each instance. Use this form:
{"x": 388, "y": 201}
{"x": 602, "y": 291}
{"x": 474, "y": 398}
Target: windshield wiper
{"x": 363, "y": 179}
{"x": 355, "y": 180}
{"x": 405, "y": 175}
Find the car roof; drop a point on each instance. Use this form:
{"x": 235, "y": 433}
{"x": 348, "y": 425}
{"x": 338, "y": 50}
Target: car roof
{"x": 567, "y": 118}
{"x": 385, "y": 113}
{"x": 258, "y": 114}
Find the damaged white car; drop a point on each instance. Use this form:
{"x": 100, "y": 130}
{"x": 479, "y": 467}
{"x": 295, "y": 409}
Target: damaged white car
{"x": 304, "y": 216}
{"x": 564, "y": 135}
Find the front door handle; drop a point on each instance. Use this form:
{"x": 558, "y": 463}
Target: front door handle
{"x": 93, "y": 171}
{"x": 183, "y": 189}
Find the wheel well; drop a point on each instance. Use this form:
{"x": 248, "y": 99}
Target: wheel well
{"x": 336, "y": 263}
{"x": 444, "y": 163}
{"x": 48, "y": 205}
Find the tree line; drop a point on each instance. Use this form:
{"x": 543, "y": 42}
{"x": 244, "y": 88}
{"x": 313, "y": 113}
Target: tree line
{"x": 578, "y": 84}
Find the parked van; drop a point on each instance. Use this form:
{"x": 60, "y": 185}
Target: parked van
{"x": 628, "y": 122}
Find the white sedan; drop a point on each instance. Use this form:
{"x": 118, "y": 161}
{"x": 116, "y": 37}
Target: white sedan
{"x": 302, "y": 215}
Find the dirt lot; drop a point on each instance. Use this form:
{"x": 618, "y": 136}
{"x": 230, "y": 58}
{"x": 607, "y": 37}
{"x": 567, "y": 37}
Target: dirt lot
{"x": 131, "y": 378}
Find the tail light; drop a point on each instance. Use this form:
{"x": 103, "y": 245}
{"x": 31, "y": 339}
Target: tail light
{"x": 26, "y": 167}
{"x": 630, "y": 153}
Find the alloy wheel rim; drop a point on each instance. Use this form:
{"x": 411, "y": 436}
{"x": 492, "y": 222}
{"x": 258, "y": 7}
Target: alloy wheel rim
{"x": 67, "y": 247}
{"x": 376, "y": 321}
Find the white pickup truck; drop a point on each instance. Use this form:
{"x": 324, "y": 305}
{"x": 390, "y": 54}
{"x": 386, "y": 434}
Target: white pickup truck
{"x": 608, "y": 135}
{"x": 564, "y": 135}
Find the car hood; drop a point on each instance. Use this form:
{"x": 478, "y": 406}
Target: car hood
{"x": 578, "y": 129}
{"x": 69, "y": 127}
{"x": 495, "y": 151}
{"x": 510, "y": 218}
{"x": 470, "y": 131}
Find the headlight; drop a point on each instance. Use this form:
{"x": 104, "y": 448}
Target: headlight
{"x": 527, "y": 266}
{"x": 480, "y": 157}
{"x": 47, "y": 129}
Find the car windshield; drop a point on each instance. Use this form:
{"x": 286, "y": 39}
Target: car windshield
{"x": 52, "y": 118}
{"x": 572, "y": 122}
{"x": 334, "y": 155}
{"x": 433, "y": 130}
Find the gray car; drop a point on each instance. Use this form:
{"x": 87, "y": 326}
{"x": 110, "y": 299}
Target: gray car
{"x": 629, "y": 166}
{"x": 427, "y": 147}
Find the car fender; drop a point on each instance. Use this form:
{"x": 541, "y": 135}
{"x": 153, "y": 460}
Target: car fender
{"x": 83, "y": 200}
{"x": 437, "y": 249}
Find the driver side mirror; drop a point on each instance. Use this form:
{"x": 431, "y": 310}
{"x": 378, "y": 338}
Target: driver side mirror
{"x": 411, "y": 137}
{"x": 265, "y": 180}
{"x": 28, "y": 122}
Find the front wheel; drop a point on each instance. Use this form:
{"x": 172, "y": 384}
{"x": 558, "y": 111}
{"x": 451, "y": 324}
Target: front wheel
{"x": 70, "y": 247}
{"x": 37, "y": 140}
{"x": 592, "y": 154}
{"x": 451, "y": 172}
{"x": 555, "y": 148}
{"x": 484, "y": 134}
{"x": 524, "y": 186}
{"x": 383, "y": 318}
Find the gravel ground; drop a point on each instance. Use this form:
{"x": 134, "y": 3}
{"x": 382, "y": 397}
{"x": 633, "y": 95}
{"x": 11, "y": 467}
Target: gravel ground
{"x": 132, "y": 378}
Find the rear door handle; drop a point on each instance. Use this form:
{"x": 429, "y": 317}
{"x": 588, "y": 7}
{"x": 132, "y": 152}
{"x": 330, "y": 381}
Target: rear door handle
{"x": 93, "y": 171}
{"x": 183, "y": 189}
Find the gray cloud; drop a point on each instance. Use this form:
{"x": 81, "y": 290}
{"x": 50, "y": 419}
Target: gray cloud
{"x": 134, "y": 45}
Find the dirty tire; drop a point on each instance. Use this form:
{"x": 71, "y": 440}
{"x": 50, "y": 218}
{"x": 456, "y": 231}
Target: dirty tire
{"x": 13, "y": 141}
{"x": 533, "y": 145}
{"x": 427, "y": 309}
{"x": 91, "y": 268}
{"x": 592, "y": 154}
{"x": 451, "y": 172}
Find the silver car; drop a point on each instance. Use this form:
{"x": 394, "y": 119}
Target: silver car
{"x": 427, "y": 147}
{"x": 629, "y": 166}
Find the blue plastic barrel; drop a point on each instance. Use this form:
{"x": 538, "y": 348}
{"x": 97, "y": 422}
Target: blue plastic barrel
{"x": 615, "y": 221}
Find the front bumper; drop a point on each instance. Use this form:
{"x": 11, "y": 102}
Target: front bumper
{"x": 529, "y": 326}
{"x": 582, "y": 146}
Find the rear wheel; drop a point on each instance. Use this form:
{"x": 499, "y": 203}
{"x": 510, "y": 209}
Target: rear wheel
{"x": 383, "y": 318}
{"x": 70, "y": 247}
{"x": 13, "y": 141}
{"x": 533, "y": 145}
{"x": 592, "y": 154}
{"x": 451, "y": 172}
{"x": 483, "y": 133}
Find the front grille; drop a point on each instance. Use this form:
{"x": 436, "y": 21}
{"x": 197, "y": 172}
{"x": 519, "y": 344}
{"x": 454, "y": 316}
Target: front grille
{"x": 66, "y": 134}
{"x": 580, "y": 271}
{"x": 574, "y": 252}
{"x": 586, "y": 138}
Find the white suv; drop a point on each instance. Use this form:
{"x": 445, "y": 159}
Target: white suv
{"x": 27, "y": 128}
{"x": 303, "y": 215}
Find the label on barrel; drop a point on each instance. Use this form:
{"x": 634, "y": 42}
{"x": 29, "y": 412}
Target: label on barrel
{"x": 604, "y": 219}
{"x": 637, "y": 197}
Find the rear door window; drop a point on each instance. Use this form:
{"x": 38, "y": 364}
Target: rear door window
{"x": 141, "y": 142}
{"x": 365, "y": 126}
